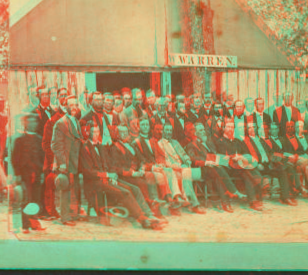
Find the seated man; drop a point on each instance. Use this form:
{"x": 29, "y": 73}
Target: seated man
{"x": 127, "y": 163}
{"x": 203, "y": 154}
{"x": 98, "y": 179}
{"x": 241, "y": 164}
{"x": 269, "y": 163}
{"x": 173, "y": 155}
{"x": 146, "y": 148}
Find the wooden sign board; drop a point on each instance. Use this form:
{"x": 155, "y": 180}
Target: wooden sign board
{"x": 197, "y": 60}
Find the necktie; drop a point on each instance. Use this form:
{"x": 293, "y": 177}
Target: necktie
{"x": 148, "y": 144}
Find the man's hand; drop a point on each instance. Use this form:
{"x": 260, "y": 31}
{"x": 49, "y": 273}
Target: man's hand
{"x": 113, "y": 182}
{"x": 136, "y": 174}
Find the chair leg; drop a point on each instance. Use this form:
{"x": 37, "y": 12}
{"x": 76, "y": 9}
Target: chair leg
{"x": 206, "y": 195}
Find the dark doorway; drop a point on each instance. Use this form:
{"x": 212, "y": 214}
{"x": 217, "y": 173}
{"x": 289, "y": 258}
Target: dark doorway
{"x": 176, "y": 83}
{"x": 108, "y": 82}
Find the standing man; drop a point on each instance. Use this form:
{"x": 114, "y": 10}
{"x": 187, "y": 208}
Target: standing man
{"x": 229, "y": 106}
{"x": 150, "y": 102}
{"x": 65, "y": 144}
{"x": 27, "y": 161}
{"x": 249, "y": 106}
{"x": 286, "y": 113}
{"x": 195, "y": 104}
{"x": 239, "y": 119}
{"x": 127, "y": 97}
{"x": 217, "y": 116}
{"x": 278, "y": 100}
{"x": 44, "y": 110}
{"x": 206, "y": 110}
{"x": 180, "y": 119}
{"x": 130, "y": 115}
{"x": 162, "y": 116}
{"x": 48, "y": 190}
{"x": 118, "y": 103}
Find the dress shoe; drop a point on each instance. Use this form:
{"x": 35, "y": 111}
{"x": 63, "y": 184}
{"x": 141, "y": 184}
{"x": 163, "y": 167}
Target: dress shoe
{"x": 51, "y": 218}
{"x": 288, "y": 202}
{"x": 174, "y": 212}
{"x": 39, "y": 228}
{"x": 26, "y": 231}
{"x": 160, "y": 202}
{"x": 181, "y": 201}
{"x": 147, "y": 224}
{"x": 162, "y": 220}
{"x": 55, "y": 214}
{"x": 240, "y": 195}
{"x": 198, "y": 210}
{"x": 294, "y": 201}
{"x": 69, "y": 223}
{"x": 175, "y": 205}
{"x": 255, "y": 205}
{"x": 227, "y": 207}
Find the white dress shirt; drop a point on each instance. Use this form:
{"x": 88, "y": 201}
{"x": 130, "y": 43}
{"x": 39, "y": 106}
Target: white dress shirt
{"x": 289, "y": 112}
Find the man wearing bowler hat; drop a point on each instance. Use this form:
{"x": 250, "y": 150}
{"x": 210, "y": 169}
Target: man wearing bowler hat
{"x": 65, "y": 144}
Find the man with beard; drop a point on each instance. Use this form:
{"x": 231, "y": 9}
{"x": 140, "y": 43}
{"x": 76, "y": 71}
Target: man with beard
{"x": 98, "y": 179}
{"x": 162, "y": 116}
{"x": 278, "y": 100}
{"x": 27, "y": 162}
{"x": 110, "y": 119}
{"x": 195, "y": 105}
{"x": 239, "y": 119}
{"x": 269, "y": 164}
{"x": 48, "y": 190}
{"x": 172, "y": 155}
{"x": 249, "y": 106}
{"x": 127, "y": 97}
{"x": 118, "y": 103}
{"x": 203, "y": 154}
{"x": 150, "y": 101}
{"x": 44, "y": 110}
{"x": 241, "y": 165}
{"x": 217, "y": 115}
{"x": 157, "y": 132}
{"x": 65, "y": 144}
{"x": 180, "y": 119}
{"x": 127, "y": 163}
{"x": 229, "y": 106}
{"x": 217, "y": 130}
{"x": 259, "y": 117}
{"x": 147, "y": 149}
{"x": 170, "y": 104}
{"x": 294, "y": 150}
{"x": 286, "y": 113}
{"x": 189, "y": 130}
{"x": 130, "y": 115}
{"x": 206, "y": 110}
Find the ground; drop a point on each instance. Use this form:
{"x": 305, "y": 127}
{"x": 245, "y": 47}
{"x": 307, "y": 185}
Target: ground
{"x": 276, "y": 224}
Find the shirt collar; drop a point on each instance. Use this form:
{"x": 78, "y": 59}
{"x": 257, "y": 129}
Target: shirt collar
{"x": 62, "y": 108}
{"x": 144, "y": 136}
{"x": 30, "y": 133}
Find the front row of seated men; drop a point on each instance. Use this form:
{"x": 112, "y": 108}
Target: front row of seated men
{"x": 146, "y": 173}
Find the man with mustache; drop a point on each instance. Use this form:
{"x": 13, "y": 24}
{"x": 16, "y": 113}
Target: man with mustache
{"x": 127, "y": 97}
{"x": 130, "y": 115}
{"x": 118, "y": 103}
{"x": 161, "y": 116}
{"x": 180, "y": 119}
{"x": 206, "y": 110}
{"x": 229, "y": 106}
{"x": 217, "y": 115}
{"x": 195, "y": 105}
{"x": 278, "y": 100}
{"x": 48, "y": 193}
{"x": 150, "y": 102}
{"x": 249, "y": 106}
{"x": 239, "y": 119}
{"x": 65, "y": 144}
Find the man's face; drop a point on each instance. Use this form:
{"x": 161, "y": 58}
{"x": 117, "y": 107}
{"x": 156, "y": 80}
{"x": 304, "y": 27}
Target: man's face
{"x": 190, "y": 131}
{"x": 44, "y": 97}
{"x": 72, "y": 107}
{"x": 151, "y": 98}
{"x": 200, "y": 132}
{"x": 31, "y": 124}
{"x": 207, "y": 99}
{"x": 196, "y": 100}
{"x": 97, "y": 102}
{"x": 167, "y": 133}
{"x": 181, "y": 108}
{"x": 250, "y": 105}
{"x": 127, "y": 98}
{"x": 108, "y": 103}
{"x": 144, "y": 127}
{"x": 218, "y": 110}
{"x": 158, "y": 131}
{"x": 124, "y": 135}
{"x": 274, "y": 130}
{"x": 94, "y": 134}
{"x": 260, "y": 105}
{"x": 229, "y": 129}
{"x": 299, "y": 129}
{"x": 288, "y": 98}
{"x": 277, "y": 99}
{"x": 290, "y": 128}
{"x": 62, "y": 97}
{"x": 161, "y": 108}
{"x": 137, "y": 100}
{"x": 252, "y": 130}
{"x": 239, "y": 108}
{"x": 118, "y": 104}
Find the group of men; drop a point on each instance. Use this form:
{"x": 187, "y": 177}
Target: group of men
{"x": 146, "y": 153}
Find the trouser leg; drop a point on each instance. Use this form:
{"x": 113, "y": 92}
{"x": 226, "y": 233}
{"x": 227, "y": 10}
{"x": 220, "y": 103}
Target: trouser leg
{"x": 149, "y": 179}
{"x": 173, "y": 182}
{"x": 49, "y": 195}
{"x": 162, "y": 184}
{"x": 188, "y": 175}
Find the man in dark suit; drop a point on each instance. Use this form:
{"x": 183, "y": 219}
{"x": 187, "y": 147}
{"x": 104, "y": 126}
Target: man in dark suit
{"x": 249, "y": 106}
{"x": 269, "y": 164}
{"x": 285, "y": 113}
{"x": 48, "y": 190}
{"x": 203, "y": 154}
{"x": 162, "y": 116}
{"x": 206, "y": 109}
{"x": 127, "y": 97}
{"x": 44, "y": 110}
{"x": 195, "y": 105}
{"x": 259, "y": 117}
{"x": 99, "y": 179}
{"x": 180, "y": 118}
{"x": 217, "y": 116}
{"x": 110, "y": 119}
{"x": 239, "y": 119}
{"x": 118, "y": 102}
{"x": 27, "y": 162}
{"x": 65, "y": 144}
{"x": 229, "y": 106}
{"x": 127, "y": 163}
{"x": 278, "y": 100}
{"x": 239, "y": 153}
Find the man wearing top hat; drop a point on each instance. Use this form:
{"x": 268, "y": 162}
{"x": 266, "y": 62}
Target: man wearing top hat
{"x": 65, "y": 144}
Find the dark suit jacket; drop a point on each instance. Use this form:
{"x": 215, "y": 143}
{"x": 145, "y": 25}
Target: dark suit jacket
{"x": 43, "y": 118}
{"x": 149, "y": 110}
{"x": 27, "y": 156}
{"x": 280, "y": 117}
{"x": 265, "y": 146}
{"x": 191, "y": 117}
{"x": 227, "y": 147}
{"x": 198, "y": 153}
{"x": 288, "y": 147}
{"x": 273, "y": 145}
{"x": 266, "y": 118}
{"x": 156, "y": 120}
{"x": 47, "y": 136}
{"x": 66, "y": 143}
{"x": 123, "y": 161}
{"x": 178, "y": 130}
